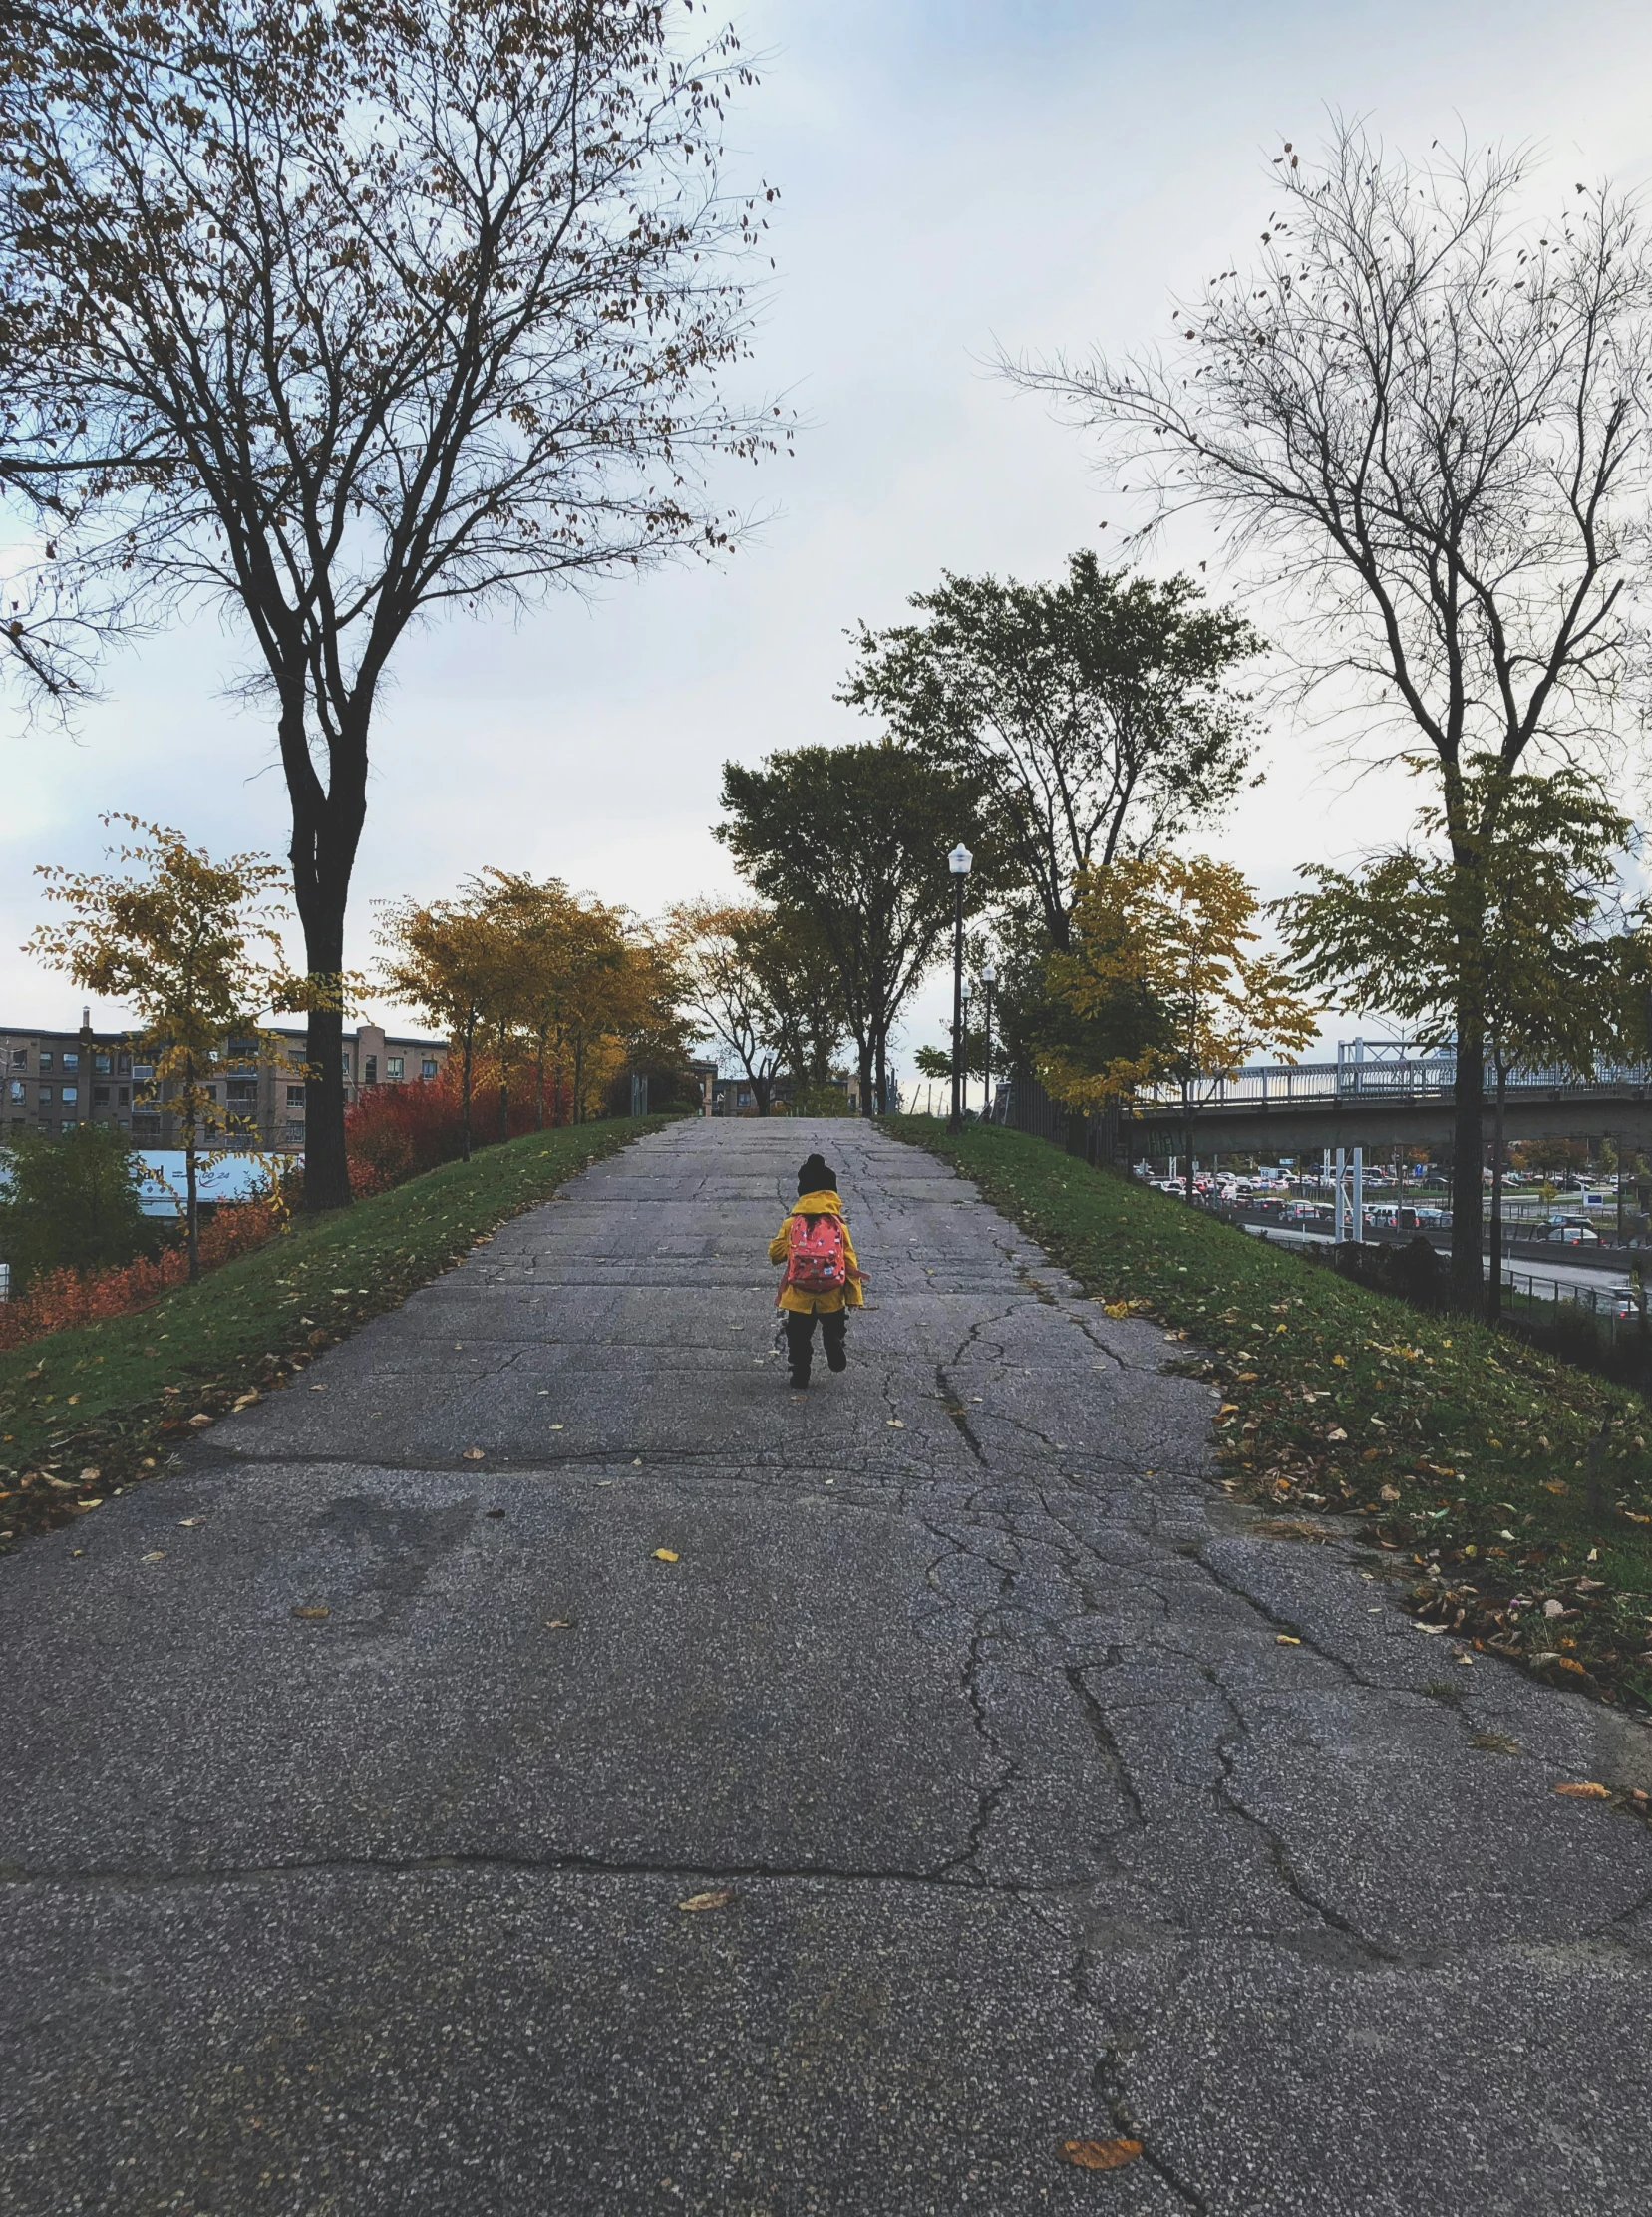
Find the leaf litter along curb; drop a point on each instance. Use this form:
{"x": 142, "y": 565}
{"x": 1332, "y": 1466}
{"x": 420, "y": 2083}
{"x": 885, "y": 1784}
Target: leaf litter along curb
{"x": 1510, "y": 1493}
{"x": 142, "y": 1384}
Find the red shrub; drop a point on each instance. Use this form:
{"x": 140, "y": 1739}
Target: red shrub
{"x": 393, "y": 1132}
{"x": 60, "y": 1298}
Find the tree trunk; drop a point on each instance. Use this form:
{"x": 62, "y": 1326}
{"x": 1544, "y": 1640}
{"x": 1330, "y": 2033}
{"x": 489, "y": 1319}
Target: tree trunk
{"x": 326, "y": 829}
{"x": 466, "y": 1059}
{"x": 191, "y": 1201}
{"x": 1494, "y": 1284}
{"x": 1467, "y": 1154}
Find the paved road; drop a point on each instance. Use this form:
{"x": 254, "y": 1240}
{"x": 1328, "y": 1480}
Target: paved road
{"x": 964, "y": 1684}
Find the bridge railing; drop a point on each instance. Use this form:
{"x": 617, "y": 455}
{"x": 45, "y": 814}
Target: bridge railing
{"x": 1424, "y": 1079}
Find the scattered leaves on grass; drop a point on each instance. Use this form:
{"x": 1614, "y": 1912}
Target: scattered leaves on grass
{"x": 1100, "y": 2155}
{"x": 720, "y": 1899}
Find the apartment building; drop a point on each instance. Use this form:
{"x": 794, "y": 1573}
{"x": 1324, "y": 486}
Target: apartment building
{"x": 55, "y": 1080}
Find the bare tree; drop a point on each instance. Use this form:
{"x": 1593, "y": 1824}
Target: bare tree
{"x": 365, "y": 313}
{"x": 1424, "y": 418}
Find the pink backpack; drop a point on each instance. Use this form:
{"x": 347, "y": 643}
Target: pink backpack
{"x": 815, "y": 1259}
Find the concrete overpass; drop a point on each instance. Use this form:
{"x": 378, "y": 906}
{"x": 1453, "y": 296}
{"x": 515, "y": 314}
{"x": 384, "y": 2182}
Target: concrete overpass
{"x": 1376, "y": 1098}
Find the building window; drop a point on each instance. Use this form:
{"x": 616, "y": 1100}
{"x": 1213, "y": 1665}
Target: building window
{"x": 371, "y": 1070}
{"x": 393, "y": 1066}
{"x": 70, "y": 1093}
{"x": 426, "y": 1068}
{"x": 295, "y": 1096}
{"x": 46, "y": 1058}
{"x": 71, "y": 1057}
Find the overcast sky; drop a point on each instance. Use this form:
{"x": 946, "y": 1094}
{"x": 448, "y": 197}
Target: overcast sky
{"x": 956, "y": 175}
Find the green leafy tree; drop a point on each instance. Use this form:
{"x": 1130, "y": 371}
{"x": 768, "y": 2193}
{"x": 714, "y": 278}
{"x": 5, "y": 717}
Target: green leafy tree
{"x": 856, "y": 841}
{"x": 1099, "y": 713}
{"x": 193, "y": 946}
{"x": 71, "y": 1202}
{"x": 1563, "y": 967}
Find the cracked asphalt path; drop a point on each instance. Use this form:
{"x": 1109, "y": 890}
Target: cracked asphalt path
{"x": 965, "y": 1683}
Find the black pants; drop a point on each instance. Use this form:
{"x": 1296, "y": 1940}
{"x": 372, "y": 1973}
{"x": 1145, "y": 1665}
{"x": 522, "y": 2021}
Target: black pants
{"x": 800, "y": 1332}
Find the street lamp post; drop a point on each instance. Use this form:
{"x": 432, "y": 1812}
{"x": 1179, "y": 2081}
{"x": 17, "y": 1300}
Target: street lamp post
{"x": 958, "y": 862}
{"x": 989, "y": 978}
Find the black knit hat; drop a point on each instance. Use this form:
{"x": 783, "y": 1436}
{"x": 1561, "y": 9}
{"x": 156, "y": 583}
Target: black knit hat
{"x": 816, "y": 1178}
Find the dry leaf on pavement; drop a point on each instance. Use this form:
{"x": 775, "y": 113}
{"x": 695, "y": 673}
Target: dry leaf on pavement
{"x": 1100, "y": 2155}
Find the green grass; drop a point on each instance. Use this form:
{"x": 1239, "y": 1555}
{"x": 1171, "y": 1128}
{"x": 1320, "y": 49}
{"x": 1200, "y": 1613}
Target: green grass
{"x": 85, "y": 1413}
{"x": 1464, "y": 1453}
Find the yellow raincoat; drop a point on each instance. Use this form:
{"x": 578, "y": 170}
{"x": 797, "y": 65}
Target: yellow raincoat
{"x": 818, "y": 1304}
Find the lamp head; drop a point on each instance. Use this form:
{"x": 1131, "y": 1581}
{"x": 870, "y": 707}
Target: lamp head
{"x": 959, "y": 861}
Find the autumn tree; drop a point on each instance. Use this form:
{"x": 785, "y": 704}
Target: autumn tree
{"x": 448, "y": 959}
{"x": 1565, "y": 962}
{"x": 854, "y": 839}
{"x": 1100, "y": 714}
{"x": 1423, "y": 418}
{"x": 1171, "y": 942}
{"x": 725, "y": 988}
{"x": 340, "y": 318}
{"x": 192, "y": 946}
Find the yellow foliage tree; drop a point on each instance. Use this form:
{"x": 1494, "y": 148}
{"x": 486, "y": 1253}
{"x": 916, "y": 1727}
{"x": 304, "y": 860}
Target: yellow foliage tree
{"x": 193, "y": 947}
{"x": 1172, "y": 938}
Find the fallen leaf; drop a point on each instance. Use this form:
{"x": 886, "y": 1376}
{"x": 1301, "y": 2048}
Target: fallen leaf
{"x": 665, "y": 1555}
{"x": 472, "y": 1455}
{"x": 1100, "y": 2155}
{"x": 719, "y": 1900}
{"x": 322, "y": 1611}
{"x": 1585, "y": 1789}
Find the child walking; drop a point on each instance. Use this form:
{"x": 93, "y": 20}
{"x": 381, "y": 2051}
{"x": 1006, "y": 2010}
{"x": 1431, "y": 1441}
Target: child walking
{"x": 822, "y": 1278}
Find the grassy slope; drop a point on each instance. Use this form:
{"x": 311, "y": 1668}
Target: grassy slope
{"x": 106, "y": 1399}
{"x": 1466, "y": 1454}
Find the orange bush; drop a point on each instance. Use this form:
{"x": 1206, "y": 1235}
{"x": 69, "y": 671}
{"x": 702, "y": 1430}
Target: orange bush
{"x": 60, "y": 1298}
